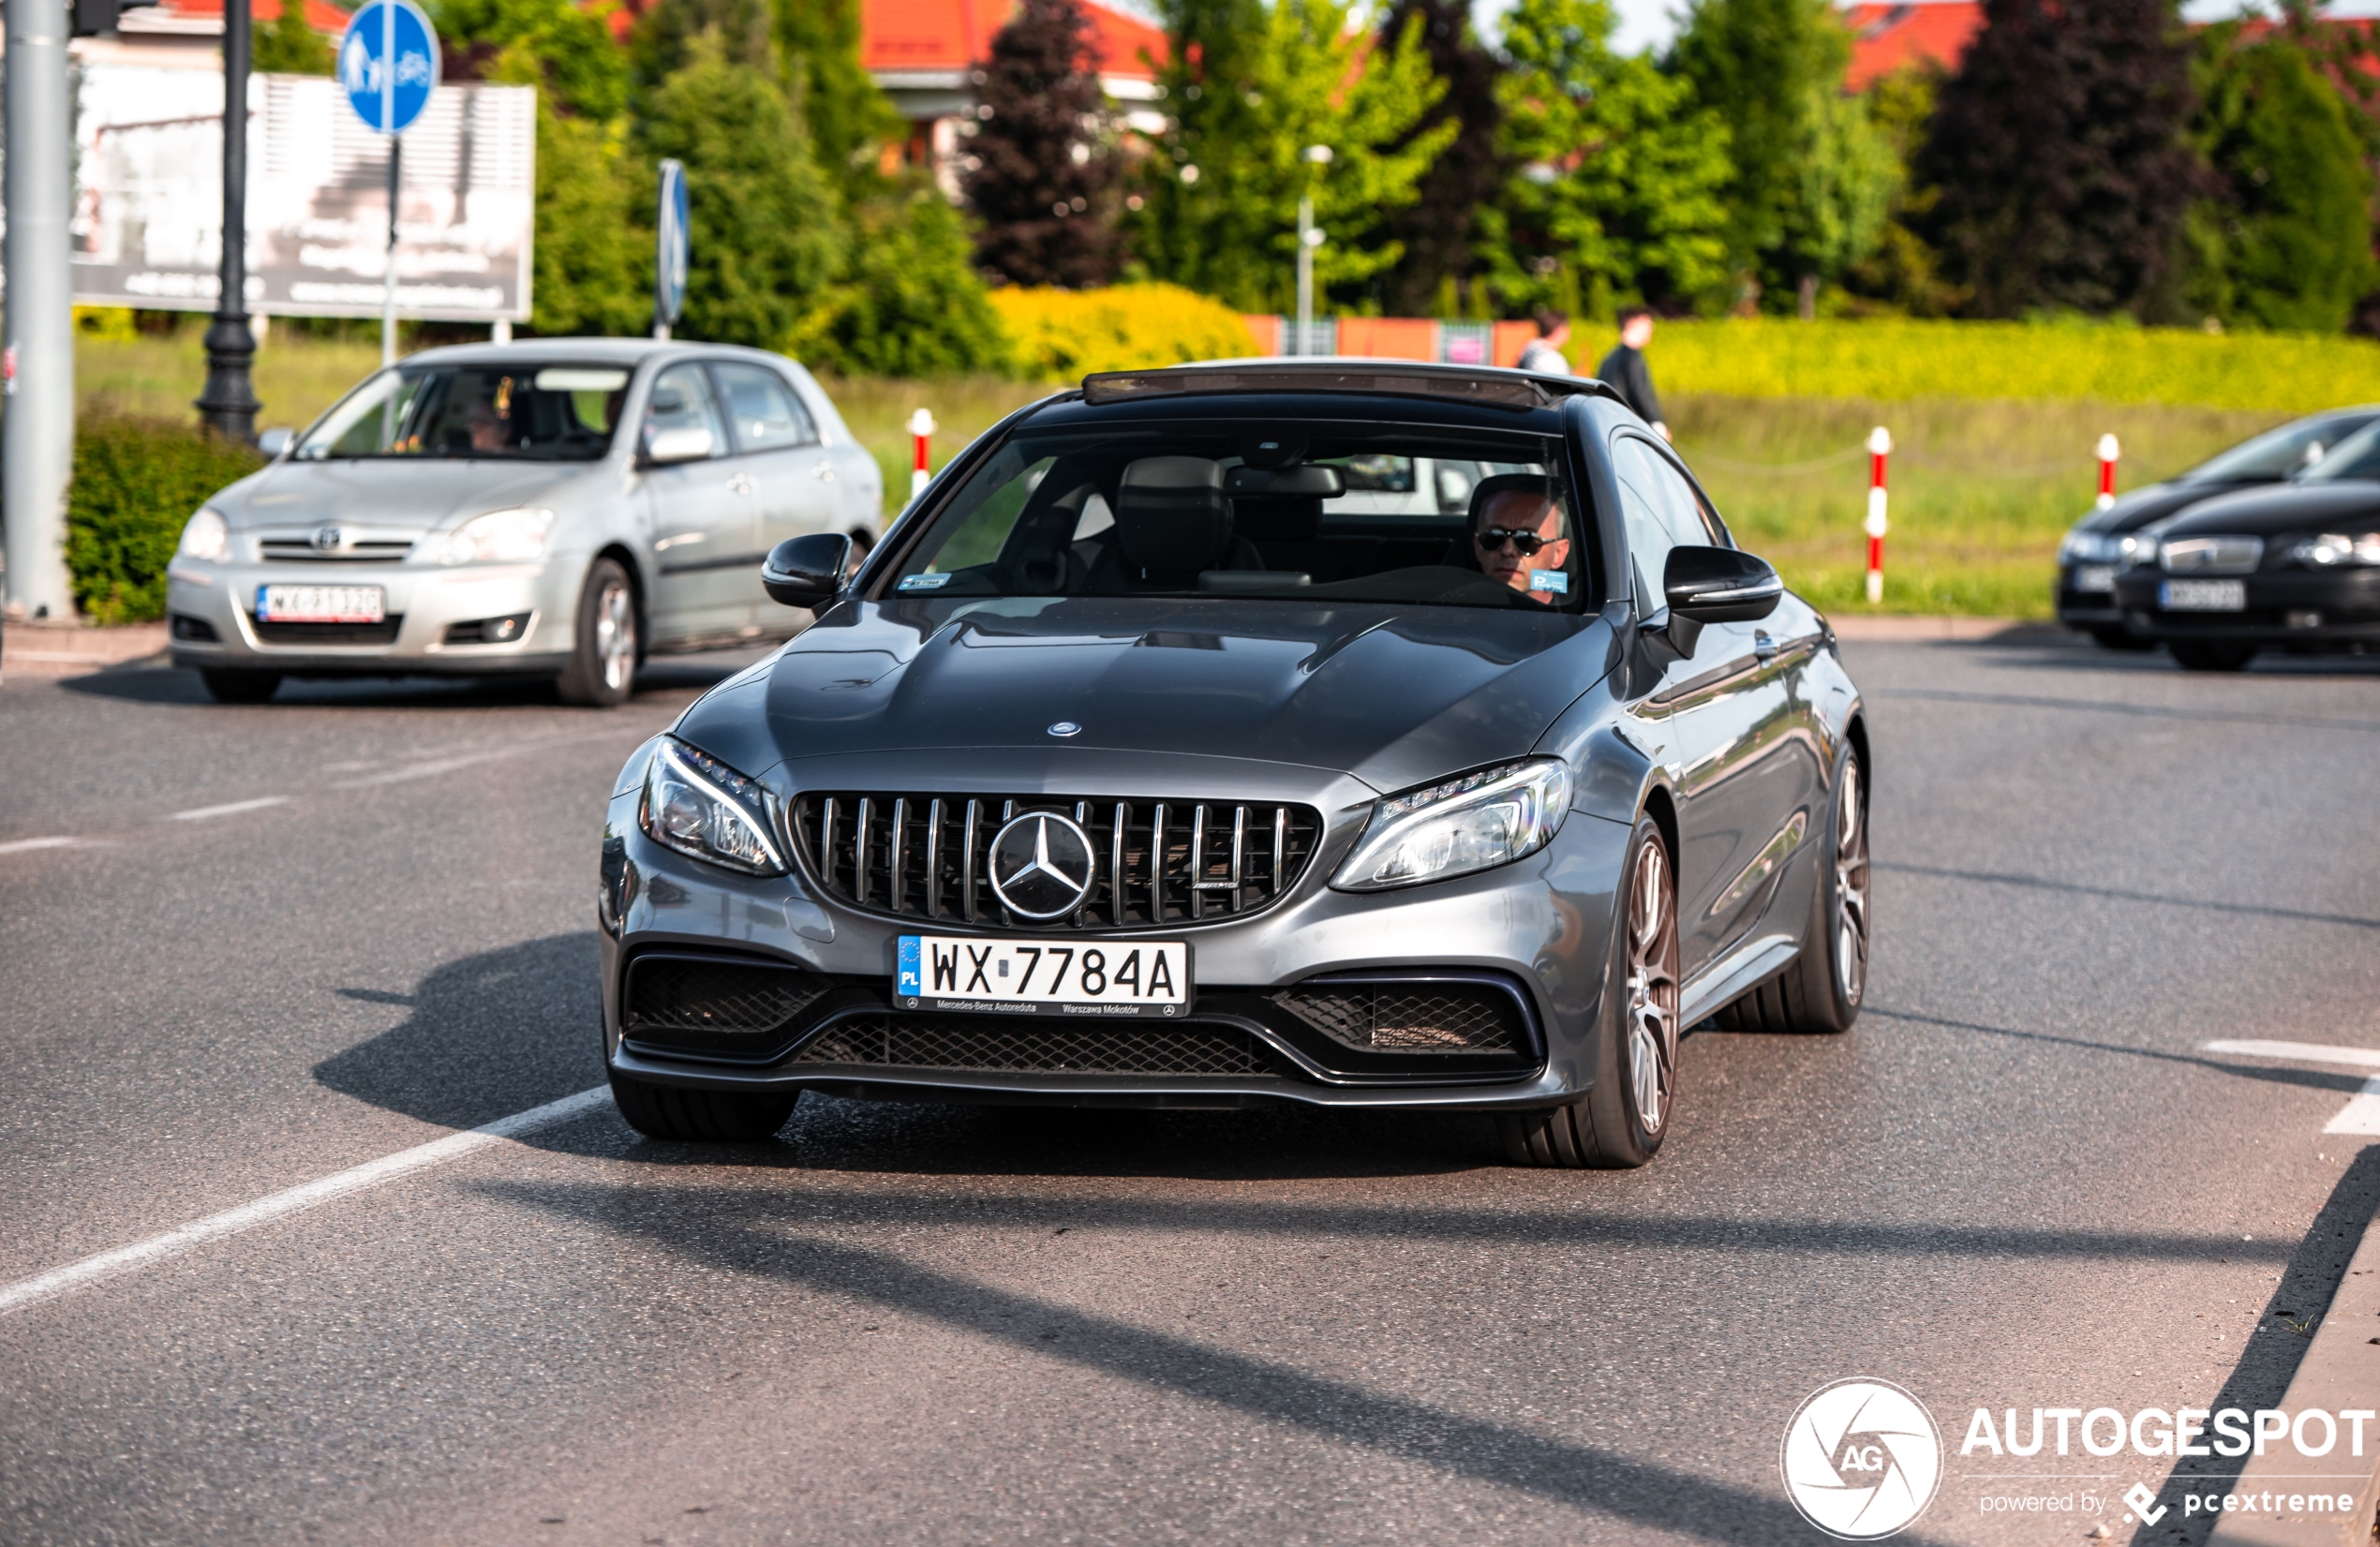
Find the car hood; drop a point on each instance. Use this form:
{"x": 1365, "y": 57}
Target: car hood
{"x": 2154, "y": 503}
{"x": 2344, "y": 506}
{"x": 389, "y": 493}
{"x": 1395, "y": 696}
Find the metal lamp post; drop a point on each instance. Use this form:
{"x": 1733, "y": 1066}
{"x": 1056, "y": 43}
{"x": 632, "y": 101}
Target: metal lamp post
{"x": 1309, "y": 238}
{"x": 36, "y": 437}
{"x": 229, "y": 405}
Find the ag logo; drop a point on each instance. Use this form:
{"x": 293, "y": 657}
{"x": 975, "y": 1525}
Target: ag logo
{"x": 1861, "y": 1459}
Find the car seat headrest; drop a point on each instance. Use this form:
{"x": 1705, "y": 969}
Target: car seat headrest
{"x": 1171, "y": 515}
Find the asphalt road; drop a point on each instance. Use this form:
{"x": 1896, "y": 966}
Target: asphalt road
{"x": 2021, "y": 1182}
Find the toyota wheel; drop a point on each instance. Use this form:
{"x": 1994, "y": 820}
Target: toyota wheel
{"x": 603, "y": 652}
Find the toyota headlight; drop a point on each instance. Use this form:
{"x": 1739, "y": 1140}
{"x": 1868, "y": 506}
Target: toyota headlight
{"x": 207, "y": 536}
{"x": 2331, "y": 550}
{"x": 500, "y": 537}
{"x": 1475, "y": 823}
{"x": 699, "y": 806}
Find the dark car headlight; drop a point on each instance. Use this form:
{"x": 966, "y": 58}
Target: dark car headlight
{"x": 1475, "y": 823}
{"x": 2334, "y": 550}
{"x": 701, "y": 807}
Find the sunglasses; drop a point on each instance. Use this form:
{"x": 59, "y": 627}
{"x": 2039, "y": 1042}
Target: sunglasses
{"x": 1494, "y": 538}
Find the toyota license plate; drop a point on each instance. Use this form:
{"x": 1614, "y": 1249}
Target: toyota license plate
{"x": 2203, "y": 596}
{"x": 320, "y": 604}
{"x": 1111, "y": 977}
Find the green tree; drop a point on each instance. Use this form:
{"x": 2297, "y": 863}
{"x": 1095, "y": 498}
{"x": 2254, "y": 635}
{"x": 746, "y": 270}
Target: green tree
{"x": 914, "y": 306}
{"x": 1040, "y": 175}
{"x": 1251, "y": 85}
{"x": 765, "y": 224}
{"x": 2286, "y": 240}
{"x": 287, "y": 45}
{"x": 1438, "y": 228}
{"x": 1903, "y": 271}
{"x": 1813, "y": 176}
{"x": 1616, "y": 191}
{"x": 566, "y": 52}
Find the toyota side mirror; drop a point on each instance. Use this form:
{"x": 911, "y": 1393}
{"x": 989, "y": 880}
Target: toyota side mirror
{"x": 275, "y": 444}
{"x": 806, "y": 571}
{"x": 685, "y": 443}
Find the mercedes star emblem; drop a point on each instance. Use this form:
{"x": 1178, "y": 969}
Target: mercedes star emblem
{"x": 1041, "y": 866}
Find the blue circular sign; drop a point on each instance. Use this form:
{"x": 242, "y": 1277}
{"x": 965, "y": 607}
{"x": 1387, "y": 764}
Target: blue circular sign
{"x": 388, "y": 98}
{"x": 669, "y": 277}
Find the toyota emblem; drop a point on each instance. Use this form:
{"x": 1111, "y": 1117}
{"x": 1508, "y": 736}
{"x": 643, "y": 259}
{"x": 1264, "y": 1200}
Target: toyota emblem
{"x": 1041, "y": 866}
{"x": 329, "y": 539}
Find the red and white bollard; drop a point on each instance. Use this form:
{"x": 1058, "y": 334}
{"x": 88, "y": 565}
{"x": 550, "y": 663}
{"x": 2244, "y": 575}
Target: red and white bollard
{"x": 921, "y": 432}
{"x": 2108, "y": 452}
{"x": 1880, "y": 446}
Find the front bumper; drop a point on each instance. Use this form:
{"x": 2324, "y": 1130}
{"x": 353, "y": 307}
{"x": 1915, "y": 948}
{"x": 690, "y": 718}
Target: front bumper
{"x": 1541, "y": 925}
{"x": 2338, "y": 609}
{"x": 2082, "y": 603}
{"x": 211, "y": 617}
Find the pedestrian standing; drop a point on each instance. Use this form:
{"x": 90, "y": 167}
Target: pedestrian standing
{"x": 1543, "y": 354}
{"x": 1625, "y": 371}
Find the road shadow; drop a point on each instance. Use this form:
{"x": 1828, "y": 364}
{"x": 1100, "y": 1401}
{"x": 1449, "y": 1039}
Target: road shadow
{"x": 729, "y": 1231}
{"x": 2078, "y": 888}
{"x": 2270, "y": 1359}
{"x": 2339, "y": 1082}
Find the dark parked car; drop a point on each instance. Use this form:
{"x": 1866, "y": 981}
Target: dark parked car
{"x": 2105, "y": 542}
{"x": 2295, "y": 567}
{"x": 1139, "y": 764}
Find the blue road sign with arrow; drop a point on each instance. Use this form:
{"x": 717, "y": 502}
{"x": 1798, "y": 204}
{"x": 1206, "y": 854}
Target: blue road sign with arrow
{"x": 387, "y": 98}
{"x": 669, "y": 269}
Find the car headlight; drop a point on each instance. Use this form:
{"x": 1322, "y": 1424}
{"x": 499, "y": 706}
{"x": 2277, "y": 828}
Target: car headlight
{"x": 207, "y": 536}
{"x": 2133, "y": 549}
{"x": 2082, "y": 547}
{"x": 1480, "y": 821}
{"x": 2331, "y": 550}
{"x": 701, "y": 807}
{"x": 500, "y": 537}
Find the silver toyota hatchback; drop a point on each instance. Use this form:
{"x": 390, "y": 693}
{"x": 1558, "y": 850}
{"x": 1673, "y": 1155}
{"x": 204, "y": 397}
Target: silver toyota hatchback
{"x": 556, "y": 508}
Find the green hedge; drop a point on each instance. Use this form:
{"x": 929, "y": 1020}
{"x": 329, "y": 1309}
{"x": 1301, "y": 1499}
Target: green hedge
{"x": 136, "y": 482}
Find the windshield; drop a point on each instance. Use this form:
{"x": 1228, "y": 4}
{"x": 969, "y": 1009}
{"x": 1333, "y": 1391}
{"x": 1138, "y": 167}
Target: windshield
{"x": 2277, "y": 453}
{"x": 1288, "y": 510}
{"x": 2355, "y": 458}
{"x": 515, "y": 410}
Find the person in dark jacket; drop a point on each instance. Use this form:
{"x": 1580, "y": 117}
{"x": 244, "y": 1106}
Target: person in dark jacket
{"x": 1624, "y": 368}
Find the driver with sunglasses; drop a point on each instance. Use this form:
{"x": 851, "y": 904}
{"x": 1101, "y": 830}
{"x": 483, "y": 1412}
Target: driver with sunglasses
{"x": 1519, "y": 530}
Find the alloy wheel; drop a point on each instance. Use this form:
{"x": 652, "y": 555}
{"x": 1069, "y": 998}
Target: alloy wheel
{"x": 1850, "y": 889}
{"x": 616, "y": 633}
{"x": 1652, "y": 987}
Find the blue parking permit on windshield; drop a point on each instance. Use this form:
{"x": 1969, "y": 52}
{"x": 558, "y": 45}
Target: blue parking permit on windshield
{"x": 923, "y": 582}
{"x": 1556, "y": 581}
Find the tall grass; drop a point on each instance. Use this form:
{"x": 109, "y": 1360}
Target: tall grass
{"x": 1980, "y": 491}
{"x": 157, "y": 377}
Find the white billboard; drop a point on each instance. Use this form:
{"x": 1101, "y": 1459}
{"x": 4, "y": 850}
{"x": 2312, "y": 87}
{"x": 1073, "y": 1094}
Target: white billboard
{"x": 148, "y": 227}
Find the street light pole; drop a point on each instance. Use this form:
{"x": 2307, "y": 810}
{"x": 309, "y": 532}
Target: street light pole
{"x": 1316, "y": 157}
{"x": 229, "y": 405}
{"x": 36, "y": 372}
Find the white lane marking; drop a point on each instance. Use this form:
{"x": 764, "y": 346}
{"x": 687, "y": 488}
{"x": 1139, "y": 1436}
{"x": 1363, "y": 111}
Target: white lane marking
{"x": 438, "y": 1152}
{"x": 2311, "y": 1052}
{"x": 20, "y": 846}
{"x": 2362, "y": 1114}
{"x": 234, "y": 808}
{"x": 436, "y": 766}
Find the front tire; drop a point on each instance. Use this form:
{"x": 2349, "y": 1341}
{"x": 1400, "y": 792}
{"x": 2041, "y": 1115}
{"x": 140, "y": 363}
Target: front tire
{"x": 603, "y": 668}
{"x": 239, "y": 686}
{"x": 703, "y": 1116}
{"x": 1820, "y": 992}
{"x": 2210, "y": 655}
{"x": 1622, "y": 1120}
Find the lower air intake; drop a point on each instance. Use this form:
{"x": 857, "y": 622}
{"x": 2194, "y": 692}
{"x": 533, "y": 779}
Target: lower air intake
{"x": 921, "y": 1042}
{"x": 703, "y": 1004}
{"x": 1411, "y": 1017}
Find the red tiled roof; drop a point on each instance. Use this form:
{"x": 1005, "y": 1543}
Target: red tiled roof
{"x": 1887, "y": 37}
{"x": 952, "y": 34}
{"x": 320, "y": 15}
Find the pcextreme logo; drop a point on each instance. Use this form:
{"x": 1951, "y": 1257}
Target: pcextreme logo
{"x": 1861, "y": 1459}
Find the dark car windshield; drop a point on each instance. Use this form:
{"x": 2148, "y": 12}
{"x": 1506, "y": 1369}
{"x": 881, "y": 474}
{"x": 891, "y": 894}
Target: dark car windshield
{"x": 1279, "y": 509}
{"x": 516, "y": 411}
{"x": 2276, "y": 454}
{"x": 2355, "y": 458}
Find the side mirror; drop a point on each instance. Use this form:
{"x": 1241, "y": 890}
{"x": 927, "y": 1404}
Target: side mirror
{"x": 686, "y": 443}
{"x": 1719, "y": 586}
{"x": 806, "y": 571}
{"x": 276, "y": 442}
